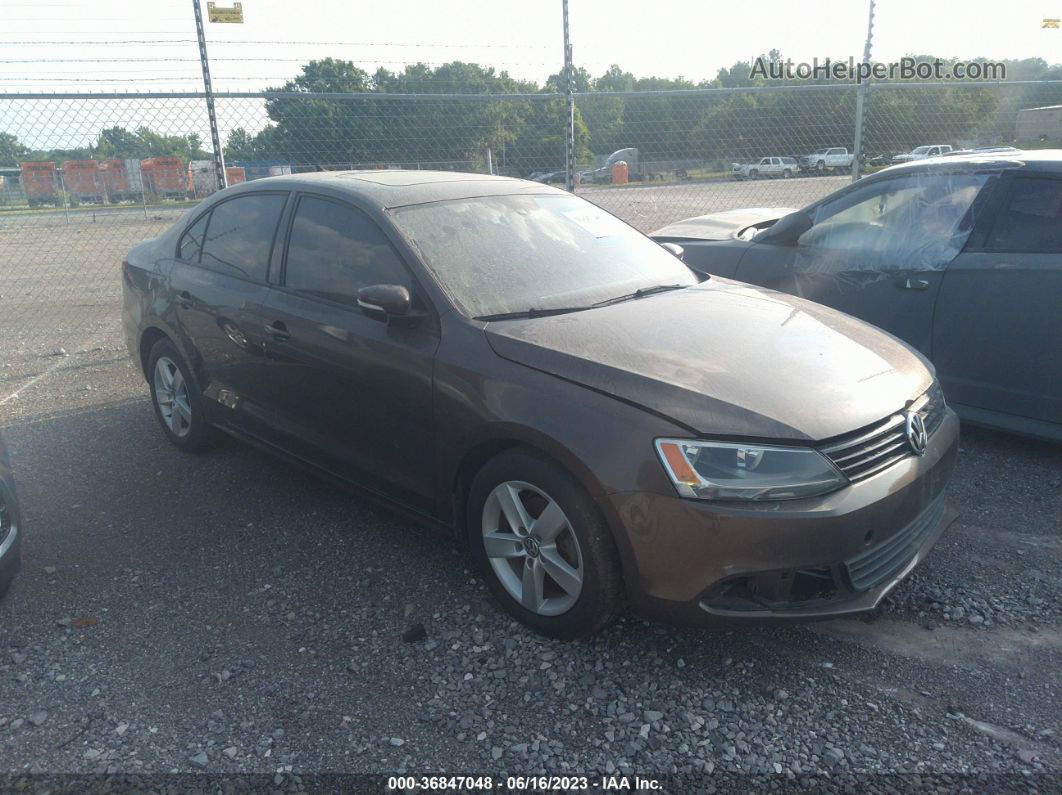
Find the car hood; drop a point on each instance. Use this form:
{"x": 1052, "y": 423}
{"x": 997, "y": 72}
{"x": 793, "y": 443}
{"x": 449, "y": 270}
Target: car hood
{"x": 721, "y": 226}
{"x": 725, "y": 358}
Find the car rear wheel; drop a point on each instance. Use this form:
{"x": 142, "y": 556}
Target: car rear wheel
{"x": 542, "y": 546}
{"x": 177, "y": 402}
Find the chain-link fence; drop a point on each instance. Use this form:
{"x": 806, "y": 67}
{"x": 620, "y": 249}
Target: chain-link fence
{"x": 97, "y": 173}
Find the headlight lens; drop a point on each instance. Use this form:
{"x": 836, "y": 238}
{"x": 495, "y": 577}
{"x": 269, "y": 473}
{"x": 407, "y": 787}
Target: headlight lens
{"x": 735, "y": 471}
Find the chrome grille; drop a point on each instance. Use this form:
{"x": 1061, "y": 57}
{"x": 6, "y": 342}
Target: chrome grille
{"x": 889, "y": 558}
{"x": 870, "y": 450}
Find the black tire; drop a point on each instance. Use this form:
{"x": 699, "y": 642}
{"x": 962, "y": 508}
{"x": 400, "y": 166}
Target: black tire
{"x": 753, "y": 173}
{"x": 821, "y": 166}
{"x": 601, "y": 597}
{"x": 787, "y": 174}
{"x": 200, "y": 435}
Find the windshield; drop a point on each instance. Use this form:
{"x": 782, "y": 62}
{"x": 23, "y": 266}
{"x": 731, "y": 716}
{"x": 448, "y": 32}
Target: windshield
{"x": 501, "y": 254}
{"x": 920, "y": 150}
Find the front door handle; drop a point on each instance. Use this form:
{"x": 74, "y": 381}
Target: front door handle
{"x": 278, "y": 330}
{"x": 184, "y": 299}
{"x": 914, "y": 284}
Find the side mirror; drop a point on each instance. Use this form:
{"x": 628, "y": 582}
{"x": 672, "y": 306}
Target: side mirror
{"x": 675, "y": 249}
{"x": 386, "y": 302}
{"x": 786, "y": 230}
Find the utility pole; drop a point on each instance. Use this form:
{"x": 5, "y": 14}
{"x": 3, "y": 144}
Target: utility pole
{"x": 861, "y": 99}
{"x": 215, "y": 138}
{"x": 569, "y": 132}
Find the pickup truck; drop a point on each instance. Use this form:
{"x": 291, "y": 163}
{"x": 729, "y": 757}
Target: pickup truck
{"x": 922, "y": 152}
{"x": 821, "y": 160}
{"x": 784, "y": 167}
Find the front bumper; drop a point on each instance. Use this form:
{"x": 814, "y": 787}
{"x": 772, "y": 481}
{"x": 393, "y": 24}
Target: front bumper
{"x": 840, "y": 553}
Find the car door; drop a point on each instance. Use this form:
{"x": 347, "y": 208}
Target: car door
{"x": 219, "y": 286}
{"x": 876, "y": 251}
{"x": 997, "y": 329}
{"x": 353, "y": 393}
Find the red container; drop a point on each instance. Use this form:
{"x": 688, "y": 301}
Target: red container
{"x": 234, "y": 175}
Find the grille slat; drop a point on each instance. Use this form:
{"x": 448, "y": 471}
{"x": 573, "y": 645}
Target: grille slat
{"x": 870, "y": 450}
{"x": 884, "y": 561}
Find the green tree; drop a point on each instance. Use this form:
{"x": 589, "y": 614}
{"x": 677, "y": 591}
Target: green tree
{"x": 12, "y": 152}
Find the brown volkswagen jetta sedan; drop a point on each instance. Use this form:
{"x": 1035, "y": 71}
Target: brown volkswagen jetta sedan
{"x": 600, "y": 425}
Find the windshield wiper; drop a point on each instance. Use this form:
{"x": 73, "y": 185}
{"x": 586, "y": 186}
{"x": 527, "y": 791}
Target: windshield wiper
{"x": 641, "y": 293}
{"x": 533, "y": 312}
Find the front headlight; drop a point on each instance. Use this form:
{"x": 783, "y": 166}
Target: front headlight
{"x": 735, "y": 471}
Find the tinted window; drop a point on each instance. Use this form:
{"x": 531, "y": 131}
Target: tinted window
{"x": 192, "y": 240}
{"x": 239, "y": 237}
{"x": 1031, "y": 219}
{"x": 336, "y": 249}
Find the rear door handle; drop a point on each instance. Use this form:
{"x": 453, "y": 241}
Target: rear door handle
{"x": 278, "y": 330}
{"x": 914, "y": 284}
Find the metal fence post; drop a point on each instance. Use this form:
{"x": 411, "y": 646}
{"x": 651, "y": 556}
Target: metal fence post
{"x": 569, "y": 117}
{"x": 857, "y": 152}
{"x": 215, "y": 138}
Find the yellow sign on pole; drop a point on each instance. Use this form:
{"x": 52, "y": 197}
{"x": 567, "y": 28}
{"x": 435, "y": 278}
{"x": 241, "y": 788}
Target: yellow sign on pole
{"x": 234, "y": 14}
{"x": 1052, "y": 24}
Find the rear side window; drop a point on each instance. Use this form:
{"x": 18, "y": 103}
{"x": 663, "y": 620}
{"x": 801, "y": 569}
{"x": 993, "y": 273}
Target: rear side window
{"x": 335, "y": 249}
{"x": 192, "y": 240}
{"x": 239, "y": 237}
{"x": 1031, "y": 220}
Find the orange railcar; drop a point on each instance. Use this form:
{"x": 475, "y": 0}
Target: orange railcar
{"x": 39, "y": 183}
{"x": 81, "y": 179}
{"x": 165, "y": 177}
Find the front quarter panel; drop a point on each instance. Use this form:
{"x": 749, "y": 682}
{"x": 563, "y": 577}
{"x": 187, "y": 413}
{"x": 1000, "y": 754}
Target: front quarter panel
{"x": 485, "y": 402}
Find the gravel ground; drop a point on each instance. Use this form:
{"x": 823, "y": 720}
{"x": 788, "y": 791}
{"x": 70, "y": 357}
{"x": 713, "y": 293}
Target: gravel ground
{"x": 227, "y": 613}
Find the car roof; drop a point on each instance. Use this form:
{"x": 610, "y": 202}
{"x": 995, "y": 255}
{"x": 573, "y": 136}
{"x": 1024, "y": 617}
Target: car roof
{"x": 399, "y": 187}
{"x": 1042, "y": 161}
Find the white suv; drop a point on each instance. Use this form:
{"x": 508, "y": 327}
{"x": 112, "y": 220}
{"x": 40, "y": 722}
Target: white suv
{"x": 766, "y": 167}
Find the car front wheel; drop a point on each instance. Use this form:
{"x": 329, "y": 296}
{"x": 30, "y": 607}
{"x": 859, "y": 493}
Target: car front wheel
{"x": 543, "y": 547}
{"x": 177, "y": 403}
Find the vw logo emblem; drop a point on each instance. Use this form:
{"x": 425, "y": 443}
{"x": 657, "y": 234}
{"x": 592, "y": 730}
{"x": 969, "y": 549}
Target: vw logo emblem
{"x": 531, "y": 546}
{"x": 917, "y": 436}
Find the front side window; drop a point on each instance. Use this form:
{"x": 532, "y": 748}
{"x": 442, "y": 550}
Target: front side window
{"x": 192, "y": 240}
{"x": 916, "y": 221}
{"x": 502, "y": 254}
{"x": 1031, "y": 220}
{"x": 239, "y": 237}
{"x": 335, "y": 249}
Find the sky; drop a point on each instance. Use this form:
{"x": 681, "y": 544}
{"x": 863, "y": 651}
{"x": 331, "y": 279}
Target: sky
{"x": 97, "y": 45}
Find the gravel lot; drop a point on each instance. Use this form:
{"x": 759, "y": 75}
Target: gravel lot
{"x": 228, "y": 613}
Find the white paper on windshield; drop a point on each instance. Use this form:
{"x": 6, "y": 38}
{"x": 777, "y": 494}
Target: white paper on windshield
{"x": 597, "y": 224}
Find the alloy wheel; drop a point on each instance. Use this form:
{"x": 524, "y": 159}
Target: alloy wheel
{"x": 171, "y": 396}
{"x": 532, "y": 548}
